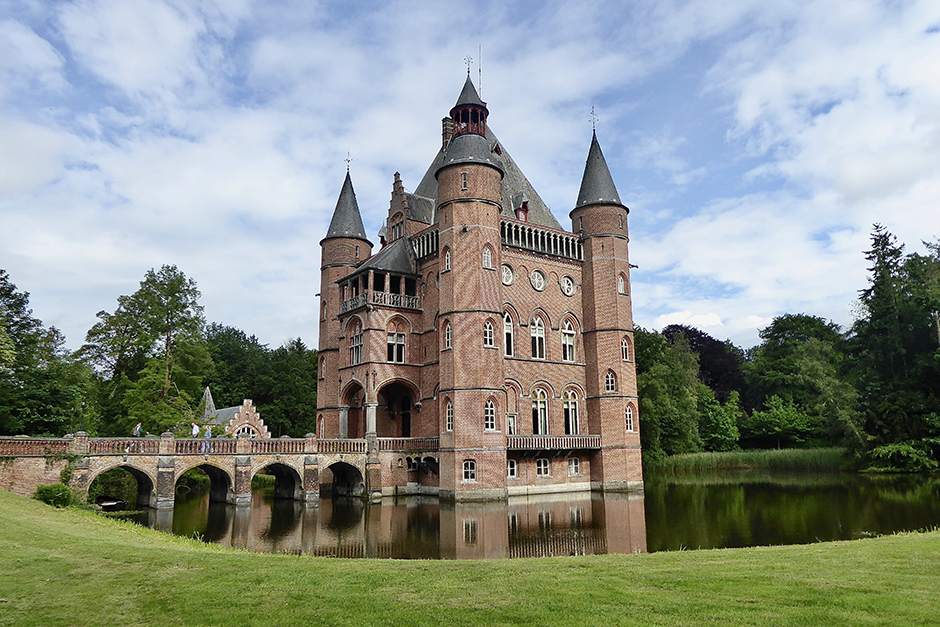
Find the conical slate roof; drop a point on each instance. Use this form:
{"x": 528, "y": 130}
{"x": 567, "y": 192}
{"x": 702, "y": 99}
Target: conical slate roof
{"x": 597, "y": 186}
{"x": 469, "y": 95}
{"x": 347, "y": 222}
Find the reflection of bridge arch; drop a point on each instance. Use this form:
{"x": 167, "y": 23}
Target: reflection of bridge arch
{"x": 145, "y": 482}
{"x": 220, "y": 481}
{"x": 288, "y": 484}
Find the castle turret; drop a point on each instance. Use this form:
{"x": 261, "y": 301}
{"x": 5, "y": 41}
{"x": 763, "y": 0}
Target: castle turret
{"x": 343, "y": 248}
{"x": 469, "y": 202}
{"x": 600, "y": 218}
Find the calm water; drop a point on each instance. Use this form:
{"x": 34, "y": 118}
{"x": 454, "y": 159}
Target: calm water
{"x": 743, "y": 510}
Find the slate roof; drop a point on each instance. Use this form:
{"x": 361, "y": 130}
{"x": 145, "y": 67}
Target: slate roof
{"x": 397, "y": 258}
{"x": 514, "y": 182}
{"x": 469, "y": 95}
{"x": 347, "y": 222}
{"x": 597, "y": 186}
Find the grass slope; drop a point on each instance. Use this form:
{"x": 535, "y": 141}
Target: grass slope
{"x": 66, "y": 567}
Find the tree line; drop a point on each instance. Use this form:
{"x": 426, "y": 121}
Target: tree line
{"x": 146, "y": 361}
{"x": 873, "y": 387}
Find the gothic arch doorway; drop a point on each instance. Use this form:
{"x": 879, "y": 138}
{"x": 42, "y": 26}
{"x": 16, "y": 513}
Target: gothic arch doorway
{"x": 352, "y": 416}
{"x": 396, "y": 406}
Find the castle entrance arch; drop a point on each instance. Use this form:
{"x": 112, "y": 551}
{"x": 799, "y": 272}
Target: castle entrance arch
{"x": 352, "y": 413}
{"x": 394, "y": 415}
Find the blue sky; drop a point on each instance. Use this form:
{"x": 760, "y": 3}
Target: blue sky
{"x": 756, "y": 143}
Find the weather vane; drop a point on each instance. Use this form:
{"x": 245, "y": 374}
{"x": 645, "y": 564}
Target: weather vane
{"x": 468, "y": 60}
{"x": 593, "y": 119}
{"x": 347, "y": 160}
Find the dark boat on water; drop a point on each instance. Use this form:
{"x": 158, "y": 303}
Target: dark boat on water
{"x": 110, "y": 504}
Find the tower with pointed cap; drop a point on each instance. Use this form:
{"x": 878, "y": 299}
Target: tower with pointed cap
{"x": 484, "y": 351}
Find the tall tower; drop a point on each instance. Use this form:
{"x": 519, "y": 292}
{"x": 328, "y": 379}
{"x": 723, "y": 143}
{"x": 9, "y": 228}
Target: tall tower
{"x": 344, "y": 246}
{"x": 469, "y": 201}
{"x": 600, "y": 218}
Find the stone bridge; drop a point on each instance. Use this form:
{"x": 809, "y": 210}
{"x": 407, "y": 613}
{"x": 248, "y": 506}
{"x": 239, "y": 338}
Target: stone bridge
{"x": 158, "y": 462}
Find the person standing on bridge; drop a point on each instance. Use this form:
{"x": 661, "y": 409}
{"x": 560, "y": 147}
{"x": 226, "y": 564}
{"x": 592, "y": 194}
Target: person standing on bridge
{"x": 138, "y": 430}
{"x": 195, "y": 430}
{"x": 207, "y": 436}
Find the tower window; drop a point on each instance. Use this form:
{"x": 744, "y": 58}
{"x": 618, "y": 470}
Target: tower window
{"x": 610, "y": 382}
{"x": 489, "y": 416}
{"x": 625, "y": 349}
{"x": 446, "y": 260}
{"x": 621, "y": 285}
{"x": 463, "y": 180}
{"x": 488, "y": 335}
{"x": 628, "y": 415}
{"x": 469, "y": 470}
{"x": 487, "y": 258}
{"x": 449, "y": 417}
{"x": 355, "y": 345}
{"x": 448, "y": 337}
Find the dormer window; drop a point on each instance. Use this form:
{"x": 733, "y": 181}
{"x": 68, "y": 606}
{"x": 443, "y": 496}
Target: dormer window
{"x": 522, "y": 213}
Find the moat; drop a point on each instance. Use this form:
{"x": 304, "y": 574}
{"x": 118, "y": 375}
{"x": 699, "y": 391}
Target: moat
{"x": 722, "y": 511}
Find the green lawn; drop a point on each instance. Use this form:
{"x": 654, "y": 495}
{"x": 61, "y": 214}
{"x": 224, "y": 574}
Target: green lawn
{"x": 66, "y": 567}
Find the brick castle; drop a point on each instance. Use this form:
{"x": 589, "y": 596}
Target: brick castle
{"x": 483, "y": 351}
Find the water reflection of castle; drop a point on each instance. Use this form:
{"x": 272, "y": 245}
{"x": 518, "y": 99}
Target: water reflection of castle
{"x": 422, "y": 528}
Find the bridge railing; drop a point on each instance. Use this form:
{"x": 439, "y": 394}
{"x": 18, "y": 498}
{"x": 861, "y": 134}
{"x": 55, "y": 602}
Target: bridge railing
{"x": 409, "y": 444}
{"x": 280, "y": 445}
{"x": 342, "y": 446}
{"x": 202, "y": 446}
{"x": 34, "y": 446}
{"x": 123, "y": 446}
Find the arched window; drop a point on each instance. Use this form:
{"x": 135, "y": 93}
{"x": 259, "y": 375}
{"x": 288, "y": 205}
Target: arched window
{"x": 448, "y": 336}
{"x": 355, "y": 343}
{"x": 625, "y": 349}
{"x": 610, "y": 382}
{"x": 621, "y": 285}
{"x": 487, "y": 258}
{"x": 539, "y": 412}
{"x": 469, "y": 470}
{"x": 449, "y": 417}
{"x": 446, "y": 260}
{"x": 488, "y": 334}
{"x": 570, "y": 404}
{"x": 567, "y": 341}
{"x": 537, "y": 332}
{"x": 629, "y": 419}
{"x": 489, "y": 416}
{"x": 507, "y": 331}
{"x": 512, "y": 468}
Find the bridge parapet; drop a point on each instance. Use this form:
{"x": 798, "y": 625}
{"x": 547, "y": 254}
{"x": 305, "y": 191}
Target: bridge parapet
{"x": 343, "y": 446}
{"x": 123, "y": 446}
{"x": 34, "y": 446}
{"x": 282, "y": 445}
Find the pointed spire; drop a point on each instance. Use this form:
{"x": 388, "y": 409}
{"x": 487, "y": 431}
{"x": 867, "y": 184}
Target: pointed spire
{"x": 346, "y": 222}
{"x": 469, "y": 94}
{"x": 208, "y": 404}
{"x": 597, "y": 186}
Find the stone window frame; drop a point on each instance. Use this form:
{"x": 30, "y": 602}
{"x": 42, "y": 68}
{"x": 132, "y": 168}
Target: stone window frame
{"x": 448, "y": 336}
{"x": 628, "y": 419}
{"x": 574, "y": 466}
{"x": 449, "y": 416}
{"x": 355, "y": 342}
{"x": 489, "y": 415}
{"x": 489, "y": 335}
{"x": 569, "y": 403}
{"x": 540, "y": 421}
{"x": 512, "y": 469}
{"x": 568, "y": 342}
{"x": 625, "y": 350}
{"x": 610, "y": 382}
{"x": 508, "y": 334}
{"x": 487, "y": 258}
{"x": 396, "y": 347}
{"x": 537, "y": 336}
{"x": 469, "y": 471}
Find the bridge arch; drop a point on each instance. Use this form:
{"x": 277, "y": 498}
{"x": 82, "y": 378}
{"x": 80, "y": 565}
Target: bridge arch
{"x": 288, "y": 484}
{"x": 221, "y": 482}
{"x": 345, "y": 479}
{"x": 146, "y": 482}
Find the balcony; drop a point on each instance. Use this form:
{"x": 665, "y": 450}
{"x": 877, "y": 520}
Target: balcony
{"x": 386, "y": 299}
{"x": 552, "y": 442}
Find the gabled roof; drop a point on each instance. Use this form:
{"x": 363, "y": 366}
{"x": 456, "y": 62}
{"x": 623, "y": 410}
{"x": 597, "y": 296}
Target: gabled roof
{"x": 597, "y": 186}
{"x": 347, "y": 222}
